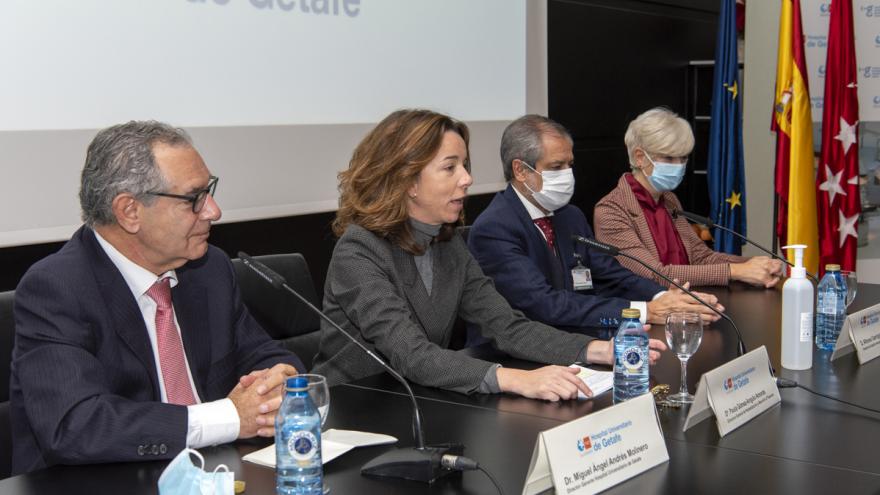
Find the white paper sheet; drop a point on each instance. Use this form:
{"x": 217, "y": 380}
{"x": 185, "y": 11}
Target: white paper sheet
{"x": 598, "y": 381}
{"x": 334, "y": 443}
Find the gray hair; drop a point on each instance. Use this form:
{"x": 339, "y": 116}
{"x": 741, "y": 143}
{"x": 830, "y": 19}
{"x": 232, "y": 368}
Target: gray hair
{"x": 659, "y": 131}
{"x": 522, "y": 140}
{"x": 120, "y": 160}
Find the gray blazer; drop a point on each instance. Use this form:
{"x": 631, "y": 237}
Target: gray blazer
{"x": 374, "y": 291}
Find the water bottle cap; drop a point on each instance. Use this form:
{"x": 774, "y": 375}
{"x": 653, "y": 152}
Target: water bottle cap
{"x": 631, "y": 313}
{"x": 831, "y": 267}
{"x": 297, "y": 384}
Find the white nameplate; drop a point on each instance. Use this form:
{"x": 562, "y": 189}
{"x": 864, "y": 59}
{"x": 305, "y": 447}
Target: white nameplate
{"x": 598, "y": 451}
{"x": 735, "y": 392}
{"x": 860, "y": 333}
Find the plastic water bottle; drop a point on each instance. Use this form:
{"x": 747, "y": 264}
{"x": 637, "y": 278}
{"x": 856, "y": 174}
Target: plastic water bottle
{"x": 298, "y": 468}
{"x": 831, "y": 308}
{"x": 630, "y": 357}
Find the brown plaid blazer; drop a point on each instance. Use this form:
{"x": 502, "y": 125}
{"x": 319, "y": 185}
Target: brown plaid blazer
{"x": 619, "y": 220}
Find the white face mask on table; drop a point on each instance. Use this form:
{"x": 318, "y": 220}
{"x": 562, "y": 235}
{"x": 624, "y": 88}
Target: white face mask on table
{"x": 182, "y": 477}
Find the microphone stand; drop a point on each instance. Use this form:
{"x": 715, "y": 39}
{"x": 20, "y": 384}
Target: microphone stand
{"x": 709, "y": 223}
{"x": 419, "y": 463}
{"x": 614, "y": 251}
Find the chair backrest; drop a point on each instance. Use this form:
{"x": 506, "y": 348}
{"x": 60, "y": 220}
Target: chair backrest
{"x": 280, "y": 313}
{"x": 7, "y": 339}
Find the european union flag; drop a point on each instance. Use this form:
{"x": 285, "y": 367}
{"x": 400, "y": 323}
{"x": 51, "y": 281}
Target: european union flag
{"x": 726, "y": 172}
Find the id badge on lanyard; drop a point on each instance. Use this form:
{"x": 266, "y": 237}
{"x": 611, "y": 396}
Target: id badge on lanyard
{"x": 580, "y": 276}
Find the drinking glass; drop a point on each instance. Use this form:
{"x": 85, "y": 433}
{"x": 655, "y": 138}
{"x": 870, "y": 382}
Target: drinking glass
{"x": 320, "y": 395}
{"x": 852, "y": 285}
{"x": 684, "y": 332}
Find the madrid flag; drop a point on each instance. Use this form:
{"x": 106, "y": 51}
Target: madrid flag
{"x": 837, "y": 180}
{"x": 795, "y": 180}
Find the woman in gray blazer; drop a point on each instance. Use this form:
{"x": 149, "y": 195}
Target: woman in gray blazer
{"x": 399, "y": 275}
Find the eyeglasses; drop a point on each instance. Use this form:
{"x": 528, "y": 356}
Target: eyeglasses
{"x": 198, "y": 199}
{"x": 678, "y": 160}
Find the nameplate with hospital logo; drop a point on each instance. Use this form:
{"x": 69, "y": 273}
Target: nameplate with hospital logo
{"x": 735, "y": 393}
{"x": 860, "y": 333}
{"x": 598, "y": 451}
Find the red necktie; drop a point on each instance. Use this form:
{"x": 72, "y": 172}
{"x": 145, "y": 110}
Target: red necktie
{"x": 546, "y": 227}
{"x": 178, "y": 389}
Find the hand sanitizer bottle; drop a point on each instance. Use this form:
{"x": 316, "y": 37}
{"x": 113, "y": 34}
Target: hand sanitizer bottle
{"x": 797, "y": 315}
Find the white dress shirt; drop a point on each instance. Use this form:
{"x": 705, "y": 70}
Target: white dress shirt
{"x": 536, "y": 213}
{"x": 208, "y": 423}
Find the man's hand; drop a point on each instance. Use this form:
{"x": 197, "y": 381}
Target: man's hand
{"x": 257, "y": 397}
{"x": 676, "y": 300}
{"x": 602, "y": 351}
{"x": 760, "y": 270}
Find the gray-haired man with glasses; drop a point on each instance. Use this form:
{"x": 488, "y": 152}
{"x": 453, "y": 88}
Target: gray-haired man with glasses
{"x": 132, "y": 341}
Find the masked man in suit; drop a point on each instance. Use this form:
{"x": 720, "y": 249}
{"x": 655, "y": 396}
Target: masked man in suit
{"x": 523, "y": 240}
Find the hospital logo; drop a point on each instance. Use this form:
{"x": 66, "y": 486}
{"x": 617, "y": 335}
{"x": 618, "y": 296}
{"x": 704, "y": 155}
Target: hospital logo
{"x": 584, "y": 444}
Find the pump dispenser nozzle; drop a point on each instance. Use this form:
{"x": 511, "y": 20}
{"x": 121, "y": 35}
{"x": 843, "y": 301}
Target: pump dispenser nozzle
{"x": 798, "y": 270}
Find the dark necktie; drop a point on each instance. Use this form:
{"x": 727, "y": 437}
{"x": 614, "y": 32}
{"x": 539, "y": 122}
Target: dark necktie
{"x": 546, "y": 227}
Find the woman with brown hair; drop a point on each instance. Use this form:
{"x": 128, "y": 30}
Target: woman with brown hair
{"x": 399, "y": 275}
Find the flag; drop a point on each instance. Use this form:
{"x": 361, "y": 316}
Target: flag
{"x": 796, "y": 221}
{"x": 726, "y": 175}
{"x": 837, "y": 180}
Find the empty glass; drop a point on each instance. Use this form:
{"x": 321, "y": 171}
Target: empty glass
{"x": 852, "y": 285}
{"x": 320, "y": 394}
{"x": 684, "y": 332}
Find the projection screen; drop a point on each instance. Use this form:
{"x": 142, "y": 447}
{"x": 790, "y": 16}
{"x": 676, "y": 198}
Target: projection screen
{"x": 275, "y": 93}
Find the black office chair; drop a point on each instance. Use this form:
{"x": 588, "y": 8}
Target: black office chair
{"x": 7, "y": 337}
{"x": 283, "y": 316}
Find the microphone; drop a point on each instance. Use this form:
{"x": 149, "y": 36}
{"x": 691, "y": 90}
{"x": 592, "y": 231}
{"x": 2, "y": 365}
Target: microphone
{"x": 786, "y": 383}
{"x": 709, "y": 223}
{"x": 615, "y": 251}
{"x": 419, "y": 463}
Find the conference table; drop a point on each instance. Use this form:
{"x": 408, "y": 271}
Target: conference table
{"x": 805, "y": 445}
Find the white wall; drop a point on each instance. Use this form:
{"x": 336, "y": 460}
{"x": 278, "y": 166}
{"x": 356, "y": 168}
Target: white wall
{"x": 482, "y": 62}
{"x": 759, "y": 143}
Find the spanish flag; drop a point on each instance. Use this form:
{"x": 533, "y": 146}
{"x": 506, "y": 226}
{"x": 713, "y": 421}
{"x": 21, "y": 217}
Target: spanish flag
{"x": 795, "y": 173}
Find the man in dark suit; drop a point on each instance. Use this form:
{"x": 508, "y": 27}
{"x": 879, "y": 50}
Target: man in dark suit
{"x": 132, "y": 341}
{"x": 523, "y": 241}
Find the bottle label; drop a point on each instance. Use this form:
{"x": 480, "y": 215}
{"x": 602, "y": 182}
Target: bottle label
{"x": 828, "y": 305}
{"x": 632, "y": 359}
{"x": 806, "y": 327}
{"x": 302, "y": 445}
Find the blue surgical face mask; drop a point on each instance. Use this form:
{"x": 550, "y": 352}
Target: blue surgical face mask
{"x": 182, "y": 477}
{"x": 665, "y": 176}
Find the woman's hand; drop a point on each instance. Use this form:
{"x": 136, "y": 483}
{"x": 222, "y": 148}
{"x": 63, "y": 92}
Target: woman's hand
{"x": 551, "y": 383}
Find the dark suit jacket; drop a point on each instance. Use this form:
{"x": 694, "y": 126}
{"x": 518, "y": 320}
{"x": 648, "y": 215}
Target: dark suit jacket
{"x": 374, "y": 292}
{"x": 511, "y": 250}
{"x": 84, "y": 387}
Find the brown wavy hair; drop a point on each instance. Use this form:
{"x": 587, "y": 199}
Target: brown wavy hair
{"x": 373, "y": 190}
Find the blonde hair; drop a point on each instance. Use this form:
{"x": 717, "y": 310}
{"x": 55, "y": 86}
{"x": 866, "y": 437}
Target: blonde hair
{"x": 659, "y": 131}
{"x": 372, "y": 191}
